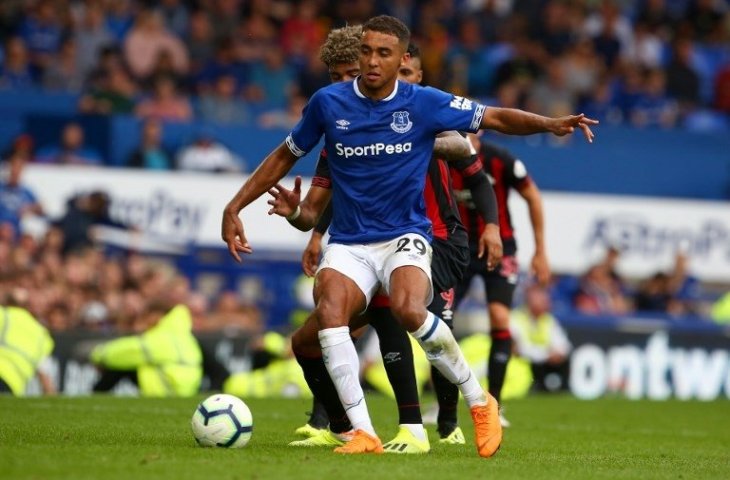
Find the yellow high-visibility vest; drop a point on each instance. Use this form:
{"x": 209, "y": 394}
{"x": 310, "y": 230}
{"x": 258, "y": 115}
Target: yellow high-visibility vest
{"x": 24, "y": 342}
{"x": 167, "y": 357}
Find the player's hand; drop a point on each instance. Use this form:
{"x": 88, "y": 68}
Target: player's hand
{"x": 565, "y": 125}
{"x": 541, "y": 268}
{"x": 491, "y": 243}
{"x": 310, "y": 257}
{"x": 285, "y": 201}
{"x": 232, "y": 234}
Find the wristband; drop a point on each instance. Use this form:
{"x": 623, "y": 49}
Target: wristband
{"x": 294, "y": 215}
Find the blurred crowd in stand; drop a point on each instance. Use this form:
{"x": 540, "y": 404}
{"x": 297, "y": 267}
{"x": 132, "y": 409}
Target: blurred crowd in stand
{"x": 649, "y": 63}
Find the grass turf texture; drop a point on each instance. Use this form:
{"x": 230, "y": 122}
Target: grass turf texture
{"x": 551, "y": 438}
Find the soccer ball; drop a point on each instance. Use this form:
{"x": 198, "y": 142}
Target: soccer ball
{"x": 222, "y": 421}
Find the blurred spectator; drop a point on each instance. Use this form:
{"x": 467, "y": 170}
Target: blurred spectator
{"x": 601, "y": 105}
{"x": 656, "y": 17}
{"x": 659, "y": 293}
{"x": 224, "y": 62}
{"x": 272, "y": 80}
{"x": 722, "y": 89}
{"x": 206, "y": 155}
{"x": 683, "y": 82}
{"x": 113, "y": 93}
{"x": 63, "y": 72}
{"x": 119, "y": 18}
{"x": 538, "y": 337}
{"x": 163, "y": 358}
{"x": 551, "y": 96}
{"x": 705, "y": 18}
{"x": 646, "y": 50}
{"x": 284, "y": 119}
{"x": 151, "y": 155}
{"x": 147, "y": 39}
{"x": 84, "y": 211}
{"x": 301, "y": 35}
{"x": 199, "y": 40}
{"x": 71, "y": 150}
{"x": 470, "y": 70}
{"x": 230, "y": 313}
{"x": 166, "y": 103}
{"x": 42, "y": 33}
{"x": 599, "y": 293}
{"x": 581, "y": 68}
{"x": 175, "y": 16}
{"x": 522, "y": 68}
{"x": 21, "y": 149}
{"x": 222, "y": 105}
{"x": 15, "y": 71}
{"x": 91, "y": 36}
{"x": 654, "y": 108}
{"x": 16, "y": 200}
{"x": 611, "y": 31}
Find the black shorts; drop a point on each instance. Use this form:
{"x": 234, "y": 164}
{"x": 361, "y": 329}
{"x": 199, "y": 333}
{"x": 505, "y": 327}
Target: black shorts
{"x": 499, "y": 283}
{"x": 448, "y": 265}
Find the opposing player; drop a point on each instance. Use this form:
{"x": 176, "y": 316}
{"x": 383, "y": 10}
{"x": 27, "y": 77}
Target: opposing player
{"x": 450, "y": 258}
{"x": 508, "y": 173}
{"x": 379, "y": 233}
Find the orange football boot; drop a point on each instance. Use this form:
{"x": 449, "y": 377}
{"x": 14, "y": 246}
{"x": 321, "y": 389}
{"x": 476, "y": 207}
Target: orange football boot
{"x": 487, "y": 427}
{"x": 362, "y": 442}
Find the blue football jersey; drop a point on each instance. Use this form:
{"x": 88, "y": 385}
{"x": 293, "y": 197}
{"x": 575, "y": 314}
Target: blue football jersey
{"x": 378, "y": 154}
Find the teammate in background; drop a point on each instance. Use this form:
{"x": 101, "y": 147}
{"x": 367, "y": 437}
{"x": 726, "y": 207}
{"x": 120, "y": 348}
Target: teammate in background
{"x": 380, "y": 236}
{"x": 507, "y": 173}
{"x": 451, "y": 256}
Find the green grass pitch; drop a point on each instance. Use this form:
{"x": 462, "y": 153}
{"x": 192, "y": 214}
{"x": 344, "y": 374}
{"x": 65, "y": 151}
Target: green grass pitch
{"x": 554, "y": 438}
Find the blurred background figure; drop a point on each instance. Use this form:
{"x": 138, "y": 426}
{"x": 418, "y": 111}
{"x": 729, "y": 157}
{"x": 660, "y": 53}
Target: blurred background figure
{"x": 17, "y": 200}
{"x": 25, "y": 347}
{"x": 151, "y": 154}
{"x": 71, "y": 150}
{"x": 207, "y": 155}
{"x": 163, "y": 358}
{"x": 539, "y": 338}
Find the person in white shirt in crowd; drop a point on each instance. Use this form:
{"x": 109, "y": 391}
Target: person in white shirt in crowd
{"x": 207, "y": 155}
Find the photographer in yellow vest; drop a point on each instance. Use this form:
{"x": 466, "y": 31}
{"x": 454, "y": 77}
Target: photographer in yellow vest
{"x": 25, "y": 345}
{"x": 164, "y": 359}
{"x": 539, "y": 338}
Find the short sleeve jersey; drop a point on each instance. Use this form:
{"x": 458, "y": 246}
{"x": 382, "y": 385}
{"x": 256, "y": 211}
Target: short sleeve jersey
{"x": 506, "y": 172}
{"x": 378, "y": 154}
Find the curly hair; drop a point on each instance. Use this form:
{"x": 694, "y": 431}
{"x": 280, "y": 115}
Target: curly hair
{"x": 342, "y": 46}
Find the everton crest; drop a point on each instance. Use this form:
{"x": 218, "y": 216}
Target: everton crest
{"x": 401, "y": 122}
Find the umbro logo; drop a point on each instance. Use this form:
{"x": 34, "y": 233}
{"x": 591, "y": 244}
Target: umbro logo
{"x": 342, "y": 124}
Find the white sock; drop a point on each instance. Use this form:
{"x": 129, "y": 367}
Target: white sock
{"x": 444, "y": 353}
{"x": 340, "y": 358}
{"x": 416, "y": 429}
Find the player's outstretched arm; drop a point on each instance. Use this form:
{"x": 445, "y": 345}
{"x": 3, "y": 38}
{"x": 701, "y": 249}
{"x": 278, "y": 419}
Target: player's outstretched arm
{"x": 451, "y": 146}
{"x": 302, "y": 216}
{"x": 271, "y": 170}
{"x": 540, "y": 266}
{"x": 518, "y": 122}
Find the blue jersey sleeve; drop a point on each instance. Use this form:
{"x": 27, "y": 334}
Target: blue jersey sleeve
{"x": 451, "y": 112}
{"x": 309, "y": 130}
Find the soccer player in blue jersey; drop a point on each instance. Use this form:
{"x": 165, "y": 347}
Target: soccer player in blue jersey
{"x": 450, "y": 258}
{"x": 379, "y": 134}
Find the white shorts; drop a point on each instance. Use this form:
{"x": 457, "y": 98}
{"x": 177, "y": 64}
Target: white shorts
{"x": 370, "y": 265}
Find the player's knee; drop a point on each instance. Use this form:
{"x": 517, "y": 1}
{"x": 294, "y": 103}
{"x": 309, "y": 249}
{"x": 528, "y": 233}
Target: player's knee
{"x": 409, "y": 313}
{"x": 329, "y": 315}
{"x": 305, "y": 344}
